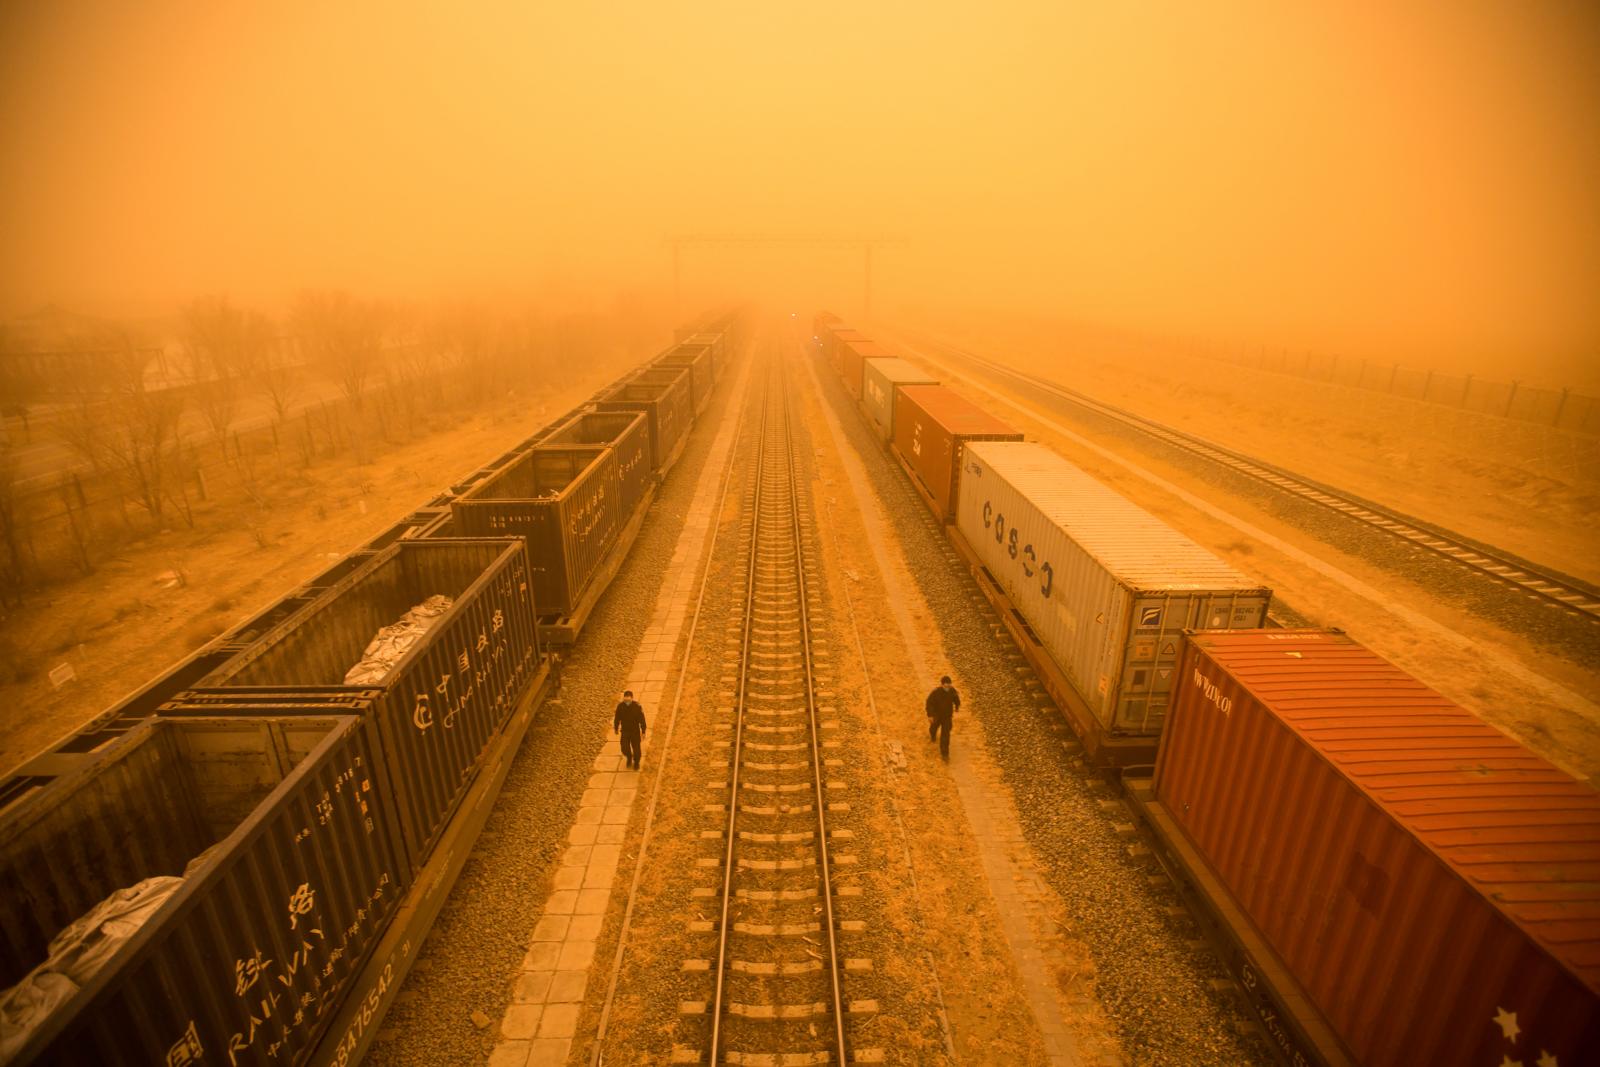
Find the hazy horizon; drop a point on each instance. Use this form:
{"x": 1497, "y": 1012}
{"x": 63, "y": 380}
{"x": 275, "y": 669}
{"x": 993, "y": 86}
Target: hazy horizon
{"x": 1396, "y": 181}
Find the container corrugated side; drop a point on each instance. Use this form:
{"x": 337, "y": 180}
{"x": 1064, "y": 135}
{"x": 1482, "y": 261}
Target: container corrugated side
{"x": 852, "y": 359}
{"x": 931, "y": 426}
{"x": 837, "y": 337}
{"x": 1431, "y": 883}
{"x": 1107, "y": 587}
{"x": 445, "y": 699}
{"x": 717, "y": 342}
{"x": 625, "y": 432}
{"x": 880, "y": 378}
{"x": 246, "y": 962}
{"x": 697, "y": 359}
{"x": 566, "y": 502}
{"x": 669, "y": 406}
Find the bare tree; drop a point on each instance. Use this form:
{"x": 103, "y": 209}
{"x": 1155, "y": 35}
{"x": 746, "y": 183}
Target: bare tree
{"x": 343, "y": 334}
{"x": 139, "y": 423}
{"x": 215, "y": 357}
{"x": 279, "y": 378}
{"x": 12, "y": 569}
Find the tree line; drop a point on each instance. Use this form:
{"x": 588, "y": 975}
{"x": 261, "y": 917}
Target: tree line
{"x": 144, "y": 429}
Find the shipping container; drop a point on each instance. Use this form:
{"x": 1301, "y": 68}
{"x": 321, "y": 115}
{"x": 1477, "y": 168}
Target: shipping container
{"x": 931, "y": 428}
{"x": 697, "y": 359}
{"x": 119, "y": 718}
{"x": 1107, "y": 587}
{"x": 852, "y": 358}
{"x": 627, "y": 433}
{"x": 667, "y": 402}
{"x": 833, "y": 341}
{"x": 567, "y": 504}
{"x": 270, "y": 837}
{"x": 1432, "y": 884}
{"x": 717, "y": 341}
{"x": 880, "y": 380}
{"x": 441, "y": 702}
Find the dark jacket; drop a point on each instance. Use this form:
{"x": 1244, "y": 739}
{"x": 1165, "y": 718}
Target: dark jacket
{"x": 943, "y": 703}
{"x": 629, "y": 717}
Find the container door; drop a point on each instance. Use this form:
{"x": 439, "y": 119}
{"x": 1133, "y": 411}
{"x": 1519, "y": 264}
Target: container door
{"x": 1150, "y": 659}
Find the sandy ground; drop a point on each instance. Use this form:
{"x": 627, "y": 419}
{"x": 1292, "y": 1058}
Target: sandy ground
{"x": 989, "y": 1016}
{"x": 1529, "y": 490}
{"x": 1525, "y": 488}
{"x": 123, "y": 625}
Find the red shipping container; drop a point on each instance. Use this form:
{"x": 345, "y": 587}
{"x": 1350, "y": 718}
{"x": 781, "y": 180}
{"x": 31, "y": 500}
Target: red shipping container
{"x": 931, "y": 426}
{"x": 1432, "y": 884}
{"x": 853, "y": 356}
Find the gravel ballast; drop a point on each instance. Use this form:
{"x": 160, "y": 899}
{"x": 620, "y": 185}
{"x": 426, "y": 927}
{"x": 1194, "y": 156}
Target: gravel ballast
{"x": 476, "y": 947}
{"x": 1151, "y": 977}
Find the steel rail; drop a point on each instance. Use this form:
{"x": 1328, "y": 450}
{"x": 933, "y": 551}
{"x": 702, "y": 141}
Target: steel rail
{"x": 817, "y": 763}
{"x": 731, "y": 836}
{"x": 1503, "y": 568}
{"x": 769, "y": 466}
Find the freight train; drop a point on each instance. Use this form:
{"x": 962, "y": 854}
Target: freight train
{"x": 237, "y": 863}
{"x": 1390, "y": 879}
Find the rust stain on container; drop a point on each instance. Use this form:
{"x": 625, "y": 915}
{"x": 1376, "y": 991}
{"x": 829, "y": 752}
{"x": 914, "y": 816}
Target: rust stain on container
{"x": 1433, "y": 884}
{"x": 931, "y": 426}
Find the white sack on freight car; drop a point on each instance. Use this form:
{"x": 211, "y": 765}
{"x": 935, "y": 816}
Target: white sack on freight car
{"x": 76, "y": 955}
{"x": 395, "y": 640}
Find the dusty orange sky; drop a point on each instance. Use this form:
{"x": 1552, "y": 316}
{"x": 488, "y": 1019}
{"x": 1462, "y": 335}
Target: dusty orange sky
{"x": 1416, "y": 179}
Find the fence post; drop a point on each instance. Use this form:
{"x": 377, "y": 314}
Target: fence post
{"x": 1510, "y": 398}
{"x": 1466, "y": 391}
{"x": 1561, "y": 405}
{"x": 1427, "y": 386}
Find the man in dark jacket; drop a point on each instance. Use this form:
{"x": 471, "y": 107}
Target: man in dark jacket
{"x": 629, "y": 722}
{"x": 943, "y": 703}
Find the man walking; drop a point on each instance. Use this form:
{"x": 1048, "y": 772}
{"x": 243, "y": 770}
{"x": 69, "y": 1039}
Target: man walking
{"x": 629, "y": 722}
{"x": 943, "y": 703}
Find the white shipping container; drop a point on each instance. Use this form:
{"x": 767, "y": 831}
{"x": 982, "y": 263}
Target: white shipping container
{"x": 1107, "y": 587}
{"x": 878, "y": 380}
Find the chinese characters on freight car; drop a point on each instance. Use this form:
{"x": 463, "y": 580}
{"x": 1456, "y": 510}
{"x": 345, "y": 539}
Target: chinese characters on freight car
{"x": 282, "y": 994}
{"x": 297, "y": 970}
{"x": 325, "y": 803}
{"x": 474, "y": 665}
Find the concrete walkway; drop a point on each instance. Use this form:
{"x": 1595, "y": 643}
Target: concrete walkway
{"x": 538, "y": 1027}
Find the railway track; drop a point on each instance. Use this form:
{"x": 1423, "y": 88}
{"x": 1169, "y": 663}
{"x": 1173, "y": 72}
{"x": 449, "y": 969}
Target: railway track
{"x": 778, "y": 976}
{"x": 1576, "y": 597}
